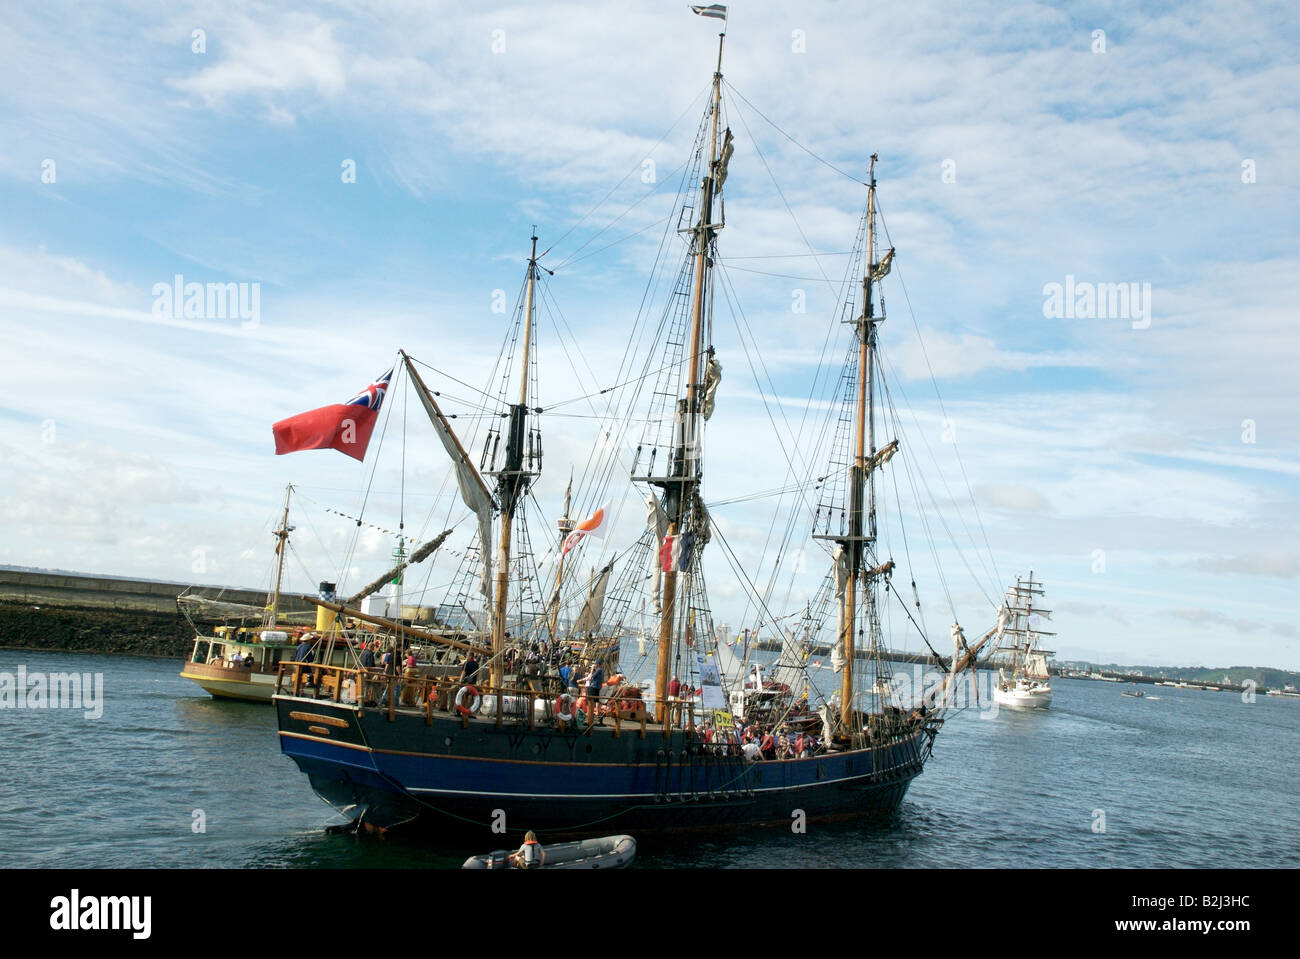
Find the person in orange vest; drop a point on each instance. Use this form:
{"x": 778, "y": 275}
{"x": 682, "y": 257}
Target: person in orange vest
{"x": 530, "y": 855}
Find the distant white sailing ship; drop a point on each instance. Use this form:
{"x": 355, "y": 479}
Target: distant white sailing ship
{"x": 1023, "y": 679}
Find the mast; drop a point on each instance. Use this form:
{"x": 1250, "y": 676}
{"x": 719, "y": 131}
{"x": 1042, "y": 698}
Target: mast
{"x": 566, "y": 527}
{"x": 400, "y": 556}
{"x": 679, "y": 490}
{"x": 863, "y": 482}
{"x": 512, "y": 482}
{"x": 282, "y": 538}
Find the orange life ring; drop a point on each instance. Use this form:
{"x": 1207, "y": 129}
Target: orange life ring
{"x": 564, "y": 707}
{"x": 460, "y": 700}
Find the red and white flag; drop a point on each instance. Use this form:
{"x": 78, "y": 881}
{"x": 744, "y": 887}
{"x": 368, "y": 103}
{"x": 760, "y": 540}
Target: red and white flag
{"x": 595, "y": 526}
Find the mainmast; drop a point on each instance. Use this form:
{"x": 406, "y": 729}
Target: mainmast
{"x": 680, "y": 488}
{"x": 281, "y": 547}
{"x": 512, "y": 481}
{"x": 862, "y": 509}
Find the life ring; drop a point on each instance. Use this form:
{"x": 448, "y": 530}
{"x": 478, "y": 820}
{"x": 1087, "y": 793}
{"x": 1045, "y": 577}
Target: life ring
{"x": 460, "y": 700}
{"x": 564, "y": 707}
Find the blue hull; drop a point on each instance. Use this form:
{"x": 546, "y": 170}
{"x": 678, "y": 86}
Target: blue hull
{"x": 472, "y": 780}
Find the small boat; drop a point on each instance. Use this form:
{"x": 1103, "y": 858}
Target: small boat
{"x": 609, "y": 852}
{"x": 1137, "y": 693}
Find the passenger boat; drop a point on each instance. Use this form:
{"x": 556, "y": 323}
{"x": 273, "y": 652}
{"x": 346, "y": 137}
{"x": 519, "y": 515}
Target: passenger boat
{"x": 463, "y": 758}
{"x": 240, "y": 659}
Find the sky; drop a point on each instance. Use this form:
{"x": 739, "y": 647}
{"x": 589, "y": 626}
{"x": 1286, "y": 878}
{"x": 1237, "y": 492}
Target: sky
{"x": 373, "y": 170}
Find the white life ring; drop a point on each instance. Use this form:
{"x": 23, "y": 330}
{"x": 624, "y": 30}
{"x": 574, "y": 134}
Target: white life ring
{"x": 564, "y": 708}
{"x": 460, "y": 700}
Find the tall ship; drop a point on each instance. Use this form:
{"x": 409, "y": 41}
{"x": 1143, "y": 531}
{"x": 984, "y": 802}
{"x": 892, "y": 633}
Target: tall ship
{"x": 651, "y": 729}
{"x": 1024, "y": 681}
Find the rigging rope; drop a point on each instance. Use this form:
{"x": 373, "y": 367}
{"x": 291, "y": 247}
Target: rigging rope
{"x": 819, "y": 159}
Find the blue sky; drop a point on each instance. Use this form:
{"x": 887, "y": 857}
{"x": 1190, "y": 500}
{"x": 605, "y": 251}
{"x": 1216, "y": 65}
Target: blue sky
{"x": 1166, "y": 157}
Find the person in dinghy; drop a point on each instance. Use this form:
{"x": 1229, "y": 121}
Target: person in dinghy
{"x": 530, "y": 855}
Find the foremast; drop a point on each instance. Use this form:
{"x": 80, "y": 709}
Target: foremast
{"x": 513, "y": 481}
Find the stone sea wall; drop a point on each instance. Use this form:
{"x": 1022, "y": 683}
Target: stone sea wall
{"x": 87, "y": 629}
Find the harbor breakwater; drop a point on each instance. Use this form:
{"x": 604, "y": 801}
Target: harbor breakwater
{"x": 89, "y": 629}
{"x": 75, "y": 612}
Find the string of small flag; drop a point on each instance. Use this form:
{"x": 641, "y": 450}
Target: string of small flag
{"x": 361, "y": 522}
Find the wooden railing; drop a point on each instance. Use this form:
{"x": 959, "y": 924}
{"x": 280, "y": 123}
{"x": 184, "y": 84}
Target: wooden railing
{"x": 411, "y": 690}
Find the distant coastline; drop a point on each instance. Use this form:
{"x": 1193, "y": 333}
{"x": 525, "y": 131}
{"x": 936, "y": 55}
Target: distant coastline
{"x": 61, "y": 610}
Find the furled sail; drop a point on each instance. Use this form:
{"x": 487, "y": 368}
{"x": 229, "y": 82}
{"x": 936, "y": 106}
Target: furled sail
{"x": 883, "y": 455}
{"x": 712, "y": 377}
{"x": 472, "y": 489}
{"x": 657, "y": 520}
{"x": 728, "y": 148}
{"x": 419, "y": 556}
{"x": 840, "y": 558}
{"x": 881, "y": 269}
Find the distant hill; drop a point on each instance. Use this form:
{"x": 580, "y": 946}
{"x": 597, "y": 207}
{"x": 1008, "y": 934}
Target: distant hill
{"x": 1265, "y": 676}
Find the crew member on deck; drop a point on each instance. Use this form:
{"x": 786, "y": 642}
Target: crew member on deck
{"x": 595, "y": 680}
{"x": 469, "y": 672}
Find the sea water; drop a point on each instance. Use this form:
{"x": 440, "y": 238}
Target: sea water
{"x": 167, "y": 776}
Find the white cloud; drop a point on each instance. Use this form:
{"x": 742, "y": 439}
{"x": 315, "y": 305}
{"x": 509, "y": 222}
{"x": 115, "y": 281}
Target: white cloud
{"x": 1117, "y": 167}
{"x": 1278, "y": 563}
{"x": 1012, "y": 496}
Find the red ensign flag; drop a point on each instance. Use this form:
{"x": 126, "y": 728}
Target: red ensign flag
{"x": 345, "y": 427}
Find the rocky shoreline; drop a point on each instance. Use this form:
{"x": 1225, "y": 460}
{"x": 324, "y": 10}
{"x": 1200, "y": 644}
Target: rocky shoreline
{"x": 86, "y": 629}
